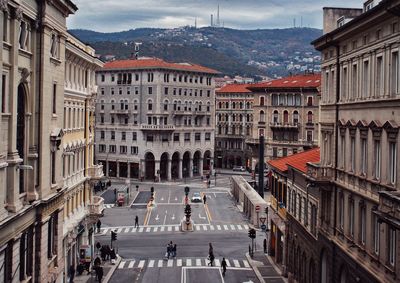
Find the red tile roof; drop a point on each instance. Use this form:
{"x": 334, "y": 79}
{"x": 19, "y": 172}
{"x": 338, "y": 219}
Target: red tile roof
{"x": 156, "y": 63}
{"x": 234, "y": 88}
{"x": 298, "y": 160}
{"x": 300, "y": 81}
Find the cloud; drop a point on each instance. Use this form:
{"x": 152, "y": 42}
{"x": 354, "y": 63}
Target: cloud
{"x": 110, "y": 16}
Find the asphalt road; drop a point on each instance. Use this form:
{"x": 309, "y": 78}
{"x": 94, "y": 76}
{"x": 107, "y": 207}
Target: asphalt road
{"x": 143, "y": 249}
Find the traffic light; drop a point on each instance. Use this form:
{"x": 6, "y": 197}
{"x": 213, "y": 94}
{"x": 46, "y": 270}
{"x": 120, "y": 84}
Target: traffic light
{"x": 252, "y": 233}
{"x": 152, "y": 190}
{"x": 113, "y": 236}
{"x": 188, "y": 211}
{"x": 187, "y": 190}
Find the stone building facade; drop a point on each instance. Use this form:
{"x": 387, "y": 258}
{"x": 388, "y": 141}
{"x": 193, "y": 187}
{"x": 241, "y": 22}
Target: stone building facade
{"x": 78, "y": 169}
{"x": 32, "y": 59}
{"x": 286, "y": 114}
{"x": 154, "y": 119}
{"x": 234, "y": 119}
{"x": 357, "y": 176}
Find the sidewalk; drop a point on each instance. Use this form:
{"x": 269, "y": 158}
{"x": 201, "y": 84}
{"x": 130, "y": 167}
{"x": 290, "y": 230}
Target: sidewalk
{"x": 264, "y": 268}
{"x": 108, "y": 270}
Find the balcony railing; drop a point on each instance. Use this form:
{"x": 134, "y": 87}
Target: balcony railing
{"x": 319, "y": 172}
{"x": 120, "y": 111}
{"x": 284, "y": 125}
{"x": 96, "y": 206}
{"x": 95, "y": 172}
{"x": 157, "y": 127}
{"x": 252, "y": 141}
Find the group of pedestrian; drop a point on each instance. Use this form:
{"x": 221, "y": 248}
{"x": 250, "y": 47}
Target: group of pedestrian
{"x": 106, "y": 253}
{"x": 211, "y": 259}
{"x": 171, "y": 250}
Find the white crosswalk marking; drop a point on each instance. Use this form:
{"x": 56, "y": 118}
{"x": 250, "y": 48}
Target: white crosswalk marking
{"x": 151, "y": 263}
{"x": 226, "y": 227}
{"x": 131, "y": 264}
{"x": 188, "y": 262}
{"x": 198, "y": 262}
{"x": 155, "y": 229}
{"x": 121, "y": 265}
{"x": 246, "y": 263}
{"x": 204, "y": 227}
{"x": 236, "y": 263}
{"x": 176, "y": 228}
{"x": 119, "y": 230}
{"x": 170, "y": 263}
{"x": 140, "y": 229}
{"x": 217, "y": 262}
{"x": 218, "y": 227}
{"x": 160, "y": 263}
{"x": 162, "y": 228}
{"x": 179, "y": 262}
{"x": 233, "y": 227}
{"x": 197, "y": 228}
{"x": 239, "y": 227}
{"x": 127, "y": 230}
{"x": 246, "y": 227}
{"x": 141, "y": 263}
{"x": 169, "y": 228}
{"x": 148, "y": 229}
{"x": 105, "y": 231}
{"x": 212, "y": 227}
{"x": 228, "y": 263}
{"x": 133, "y": 230}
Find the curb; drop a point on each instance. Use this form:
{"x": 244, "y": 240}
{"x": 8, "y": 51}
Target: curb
{"x": 253, "y": 265}
{"x": 111, "y": 272}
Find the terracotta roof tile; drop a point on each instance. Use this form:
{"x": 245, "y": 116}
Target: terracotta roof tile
{"x": 298, "y": 160}
{"x": 311, "y": 80}
{"x": 234, "y": 88}
{"x": 156, "y": 63}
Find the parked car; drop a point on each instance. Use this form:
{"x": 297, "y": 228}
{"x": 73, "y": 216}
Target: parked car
{"x": 239, "y": 168}
{"x": 196, "y": 197}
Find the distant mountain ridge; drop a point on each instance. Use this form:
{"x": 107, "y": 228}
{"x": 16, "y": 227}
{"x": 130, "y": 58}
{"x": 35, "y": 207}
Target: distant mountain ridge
{"x": 233, "y": 52}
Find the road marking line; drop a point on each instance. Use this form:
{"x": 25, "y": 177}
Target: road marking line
{"x": 197, "y": 227}
{"x": 148, "y": 229}
{"x": 176, "y": 228}
{"x": 179, "y": 262}
{"x": 204, "y": 227}
{"x": 170, "y": 263}
{"x": 236, "y": 263}
{"x": 218, "y": 227}
{"x": 188, "y": 262}
{"x": 119, "y": 230}
{"x": 155, "y": 229}
{"x": 140, "y": 229}
{"x": 233, "y": 227}
{"x": 246, "y": 263}
{"x": 147, "y": 217}
{"x": 127, "y": 230}
{"x": 131, "y": 264}
{"x": 212, "y": 227}
{"x": 169, "y": 228}
{"x": 160, "y": 263}
{"x": 162, "y": 228}
{"x": 105, "y": 231}
{"x": 198, "y": 261}
{"x": 151, "y": 263}
{"x": 226, "y": 227}
{"x": 217, "y": 262}
{"x": 246, "y": 227}
{"x": 133, "y": 230}
{"x": 121, "y": 265}
{"x": 228, "y": 263}
{"x": 141, "y": 263}
{"x": 239, "y": 227}
{"x": 207, "y": 213}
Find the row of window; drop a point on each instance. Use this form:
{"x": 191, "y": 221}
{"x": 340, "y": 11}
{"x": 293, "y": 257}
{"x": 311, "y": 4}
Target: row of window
{"x": 277, "y": 118}
{"x": 287, "y": 100}
{"x": 177, "y": 105}
{"x": 128, "y": 78}
{"x": 167, "y": 91}
{"x": 234, "y": 117}
{"x": 235, "y": 105}
{"x": 73, "y": 164}
{"x": 233, "y": 130}
{"x": 123, "y": 149}
{"x": 303, "y": 209}
{"x": 74, "y": 118}
{"x": 77, "y": 76}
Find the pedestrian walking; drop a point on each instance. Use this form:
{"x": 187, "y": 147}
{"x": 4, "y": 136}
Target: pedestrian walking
{"x": 167, "y": 255}
{"x": 71, "y": 273}
{"x": 100, "y": 273}
{"x": 98, "y": 224}
{"x": 98, "y": 247}
{"x": 265, "y": 245}
{"x": 204, "y": 198}
{"x": 211, "y": 259}
{"x": 223, "y": 265}
{"x": 136, "y": 221}
{"x": 174, "y": 250}
{"x": 210, "y": 248}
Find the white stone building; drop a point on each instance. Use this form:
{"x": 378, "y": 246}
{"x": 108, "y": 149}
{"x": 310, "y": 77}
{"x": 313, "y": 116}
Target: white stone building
{"x": 154, "y": 119}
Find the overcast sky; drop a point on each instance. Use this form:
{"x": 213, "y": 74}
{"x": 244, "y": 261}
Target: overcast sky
{"x": 114, "y": 15}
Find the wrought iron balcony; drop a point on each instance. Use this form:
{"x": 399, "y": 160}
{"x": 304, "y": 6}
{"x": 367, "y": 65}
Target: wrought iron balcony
{"x": 277, "y": 125}
{"x": 157, "y": 127}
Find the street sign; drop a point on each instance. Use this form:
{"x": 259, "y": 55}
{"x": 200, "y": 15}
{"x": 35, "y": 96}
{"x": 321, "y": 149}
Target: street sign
{"x": 263, "y": 227}
{"x": 258, "y": 208}
{"x": 262, "y": 219}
